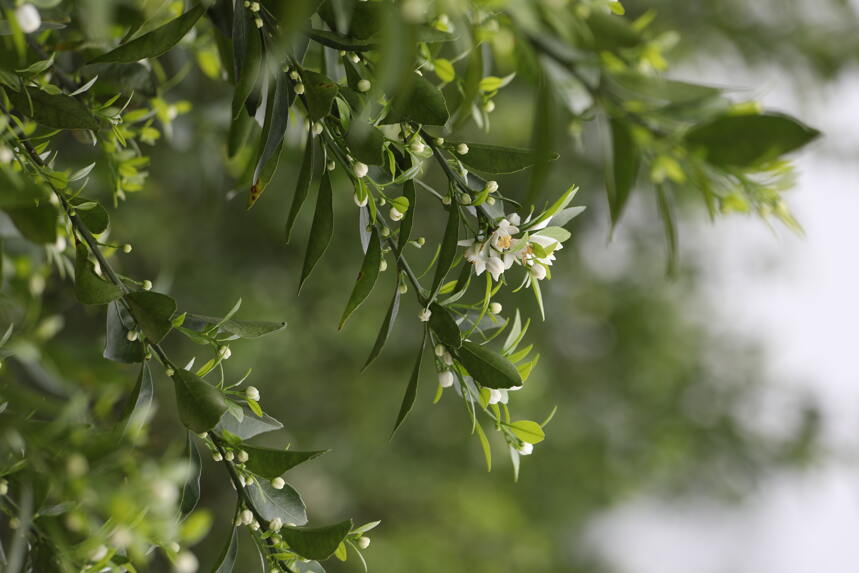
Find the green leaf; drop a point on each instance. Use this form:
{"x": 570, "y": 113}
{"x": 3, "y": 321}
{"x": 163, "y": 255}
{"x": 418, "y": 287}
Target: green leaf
{"x": 749, "y": 140}
{"x": 156, "y": 42}
{"x": 444, "y": 70}
{"x": 385, "y": 330}
{"x": 227, "y": 559}
{"x": 36, "y": 223}
{"x": 321, "y": 229}
{"x": 412, "y": 388}
{"x": 420, "y": 102}
{"x": 243, "y": 328}
{"x": 273, "y": 131}
{"x": 53, "y": 110}
{"x": 658, "y": 90}
{"x": 666, "y": 213}
{"x": 484, "y": 445}
{"x": 302, "y": 186}
{"x": 316, "y": 542}
{"x": 338, "y": 42}
{"x": 191, "y": 489}
{"x": 136, "y": 411}
{"x": 408, "y": 219}
{"x": 284, "y": 503}
{"x": 200, "y": 404}
{"x": 367, "y": 277}
{"x": 444, "y": 326}
{"x": 366, "y": 143}
{"x": 448, "y": 248}
{"x": 250, "y": 425}
{"x": 610, "y": 32}
{"x": 89, "y": 287}
{"x": 625, "y": 163}
{"x": 488, "y": 368}
{"x": 152, "y": 312}
{"x": 320, "y": 90}
{"x": 271, "y": 463}
{"x": 528, "y": 431}
{"x": 92, "y": 213}
{"x": 497, "y": 159}
{"x": 249, "y": 69}
{"x": 117, "y": 347}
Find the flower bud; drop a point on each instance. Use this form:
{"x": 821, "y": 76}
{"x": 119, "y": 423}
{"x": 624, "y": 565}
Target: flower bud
{"x": 439, "y": 350}
{"x": 330, "y": 165}
{"x": 275, "y": 524}
{"x": 491, "y": 186}
{"x": 447, "y": 358}
{"x": 4, "y": 487}
{"x": 465, "y": 198}
{"x": 424, "y": 314}
{"x": 254, "y": 6}
{"x": 242, "y": 456}
{"x": 495, "y": 308}
{"x": 169, "y": 371}
{"x": 317, "y": 128}
{"x": 250, "y": 480}
{"x": 131, "y": 335}
{"x": 383, "y": 265}
{"x": 417, "y": 146}
{"x": 229, "y": 456}
{"x": 252, "y": 393}
{"x": 247, "y": 516}
{"x": 386, "y": 231}
{"x": 403, "y": 288}
{"x": 364, "y": 86}
{"x": 445, "y": 379}
{"x": 354, "y": 58}
{"x": 299, "y": 88}
{"x": 490, "y": 200}
{"x": 462, "y": 149}
{"x": 421, "y": 241}
{"x": 217, "y": 457}
{"x": 360, "y": 169}
{"x": 127, "y": 248}
{"x": 439, "y": 141}
{"x": 258, "y": 23}
{"x": 489, "y": 106}
{"x": 224, "y": 352}
{"x": 294, "y": 75}
{"x": 360, "y": 201}
{"x": 445, "y": 200}
{"x": 278, "y": 483}
{"x": 28, "y": 18}
{"x": 363, "y": 542}
{"x": 525, "y": 449}
{"x": 395, "y": 214}
{"x": 538, "y": 271}
{"x": 254, "y": 525}
{"x": 186, "y": 562}
{"x": 147, "y": 285}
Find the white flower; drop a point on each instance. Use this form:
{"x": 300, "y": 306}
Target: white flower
{"x": 363, "y": 542}
{"x": 439, "y": 350}
{"x": 395, "y": 214}
{"x": 445, "y": 379}
{"x": 360, "y": 169}
{"x": 489, "y": 106}
{"x": 502, "y": 236}
{"x": 462, "y": 149}
{"x": 131, "y": 335}
{"x": 275, "y": 524}
{"x": 538, "y": 271}
{"x": 360, "y": 201}
{"x": 501, "y": 395}
{"x": 28, "y": 18}
{"x": 224, "y": 352}
{"x": 186, "y": 562}
{"x": 278, "y": 483}
{"x": 216, "y": 456}
{"x": 364, "y": 86}
{"x": 424, "y": 314}
{"x": 495, "y": 308}
{"x": 495, "y": 266}
{"x": 417, "y": 146}
{"x": 252, "y": 393}
{"x": 526, "y": 449}
{"x": 246, "y": 516}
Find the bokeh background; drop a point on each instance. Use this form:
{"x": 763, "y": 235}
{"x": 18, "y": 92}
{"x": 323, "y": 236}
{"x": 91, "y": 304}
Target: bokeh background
{"x": 706, "y": 422}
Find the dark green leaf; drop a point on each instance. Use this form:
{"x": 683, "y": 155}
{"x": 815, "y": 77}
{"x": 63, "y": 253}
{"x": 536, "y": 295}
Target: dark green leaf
{"x": 92, "y": 213}
{"x": 387, "y": 325}
{"x": 496, "y": 159}
{"x": 625, "y": 163}
{"x": 316, "y": 542}
{"x": 136, "y": 410}
{"x": 666, "y": 213}
{"x": 191, "y": 489}
{"x": 284, "y": 503}
{"x": 156, "y": 42}
{"x": 276, "y": 120}
{"x": 412, "y": 388}
{"x": 200, "y": 404}
{"x": 366, "y": 143}
{"x": 270, "y": 463}
{"x": 320, "y": 90}
{"x": 448, "y": 248}
{"x": 227, "y": 559}
{"x": 409, "y": 217}
{"x": 321, "y": 230}
{"x": 89, "y": 287}
{"x": 444, "y": 326}
{"x": 240, "y": 130}
{"x": 488, "y": 368}
{"x": 367, "y": 19}
{"x": 749, "y": 140}
{"x": 251, "y": 425}
{"x": 53, "y": 110}
{"x": 611, "y": 32}
{"x": 243, "y": 328}
{"x": 152, "y": 312}
{"x": 116, "y": 345}
{"x": 249, "y": 70}
{"x": 420, "y": 102}
{"x": 302, "y": 186}
{"x": 338, "y": 42}
{"x": 366, "y": 277}
{"x": 37, "y": 223}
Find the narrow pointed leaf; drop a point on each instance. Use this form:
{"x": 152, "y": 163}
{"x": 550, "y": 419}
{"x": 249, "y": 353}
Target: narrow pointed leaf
{"x": 200, "y": 404}
{"x": 385, "y": 331}
{"x": 53, "y": 110}
{"x": 412, "y": 388}
{"x": 136, "y": 411}
{"x": 444, "y": 326}
{"x": 249, "y": 71}
{"x": 321, "y": 230}
{"x": 152, "y": 311}
{"x": 191, "y": 489}
{"x": 117, "y": 347}
{"x": 89, "y": 287}
{"x": 625, "y": 163}
{"x": 408, "y": 218}
{"x": 227, "y": 559}
{"x": 271, "y": 463}
{"x": 316, "y": 542}
{"x": 320, "y": 90}
{"x": 448, "y": 248}
{"x": 367, "y": 277}
{"x": 250, "y": 425}
{"x": 497, "y": 159}
{"x": 488, "y": 368}
{"x": 302, "y": 186}
{"x": 156, "y": 42}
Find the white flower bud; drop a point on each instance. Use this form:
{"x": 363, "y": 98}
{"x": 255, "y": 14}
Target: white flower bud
{"x": 386, "y": 231}
{"x": 490, "y": 200}
{"x": 147, "y": 285}
{"x": 4, "y": 487}
{"x": 360, "y": 169}
{"x": 525, "y": 449}
{"x": 383, "y": 265}
{"x": 293, "y": 75}
{"x": 360, "y": 201}
{"x": 250, "y": 480}
{"x": 203, "y": 435}
{"x": 462, "y": 149}
{"x": 252, "y": 393}
{"x": 229, "y": 456}
{"x": 186, "y": 562}
{"x": 28, "y": 18}
{"x": 445, "y": 200}
{"x": 169, "y": 371}
{"x": 317, "y": 128}
{"x": 247, "y": 516}
{"x": 258, "y": 22}
{"x": 127, "y": 248}
{"x": 489, "y": 106}
{"x": 254, "y": 6}
{"x": 354, "y": 58}
{"x": 403, "y": 288}
{"x": 417, "y": 146}
{"x": 364, "y": 86}
{"x": 131, "y": 335}
{"x": 395, "y": 214}
{"x": 421, "y": 241}
{"x": 363, "y": 542}
{"x": 224, "y": 352}
{"x": 330, "y": 165}
{"x": 491, "y": 186}
{"x": 98, "y": 553}
{"x": 439, "y": 350}
{"x": 6, "y": 155}
{"x": 447, "y": 358}
{"x": 299, "y": 88}
{"x": 424, "y": 315}
{"x": 278, "y": 483}
{"x": 538, "y": 271}
{"x": 445, "y": 379}
{"x": 495, "y": 308}
{"x": 254, "y": 525}
{"x": 242, "y": 456}
{"x": 465, "y": 198}
{"x": 275, "y": 524}
{"x": 439, "y": 141}
{"x": 216, "y": 456}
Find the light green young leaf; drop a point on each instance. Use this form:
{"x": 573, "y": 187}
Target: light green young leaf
{"x": 528, "y": 431}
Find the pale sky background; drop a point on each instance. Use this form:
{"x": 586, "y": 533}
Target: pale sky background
{"x": 799, "y": 296}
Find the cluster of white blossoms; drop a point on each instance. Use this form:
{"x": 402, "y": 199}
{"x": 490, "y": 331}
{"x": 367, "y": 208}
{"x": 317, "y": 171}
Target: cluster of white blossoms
{"x": 501, "y": 249}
